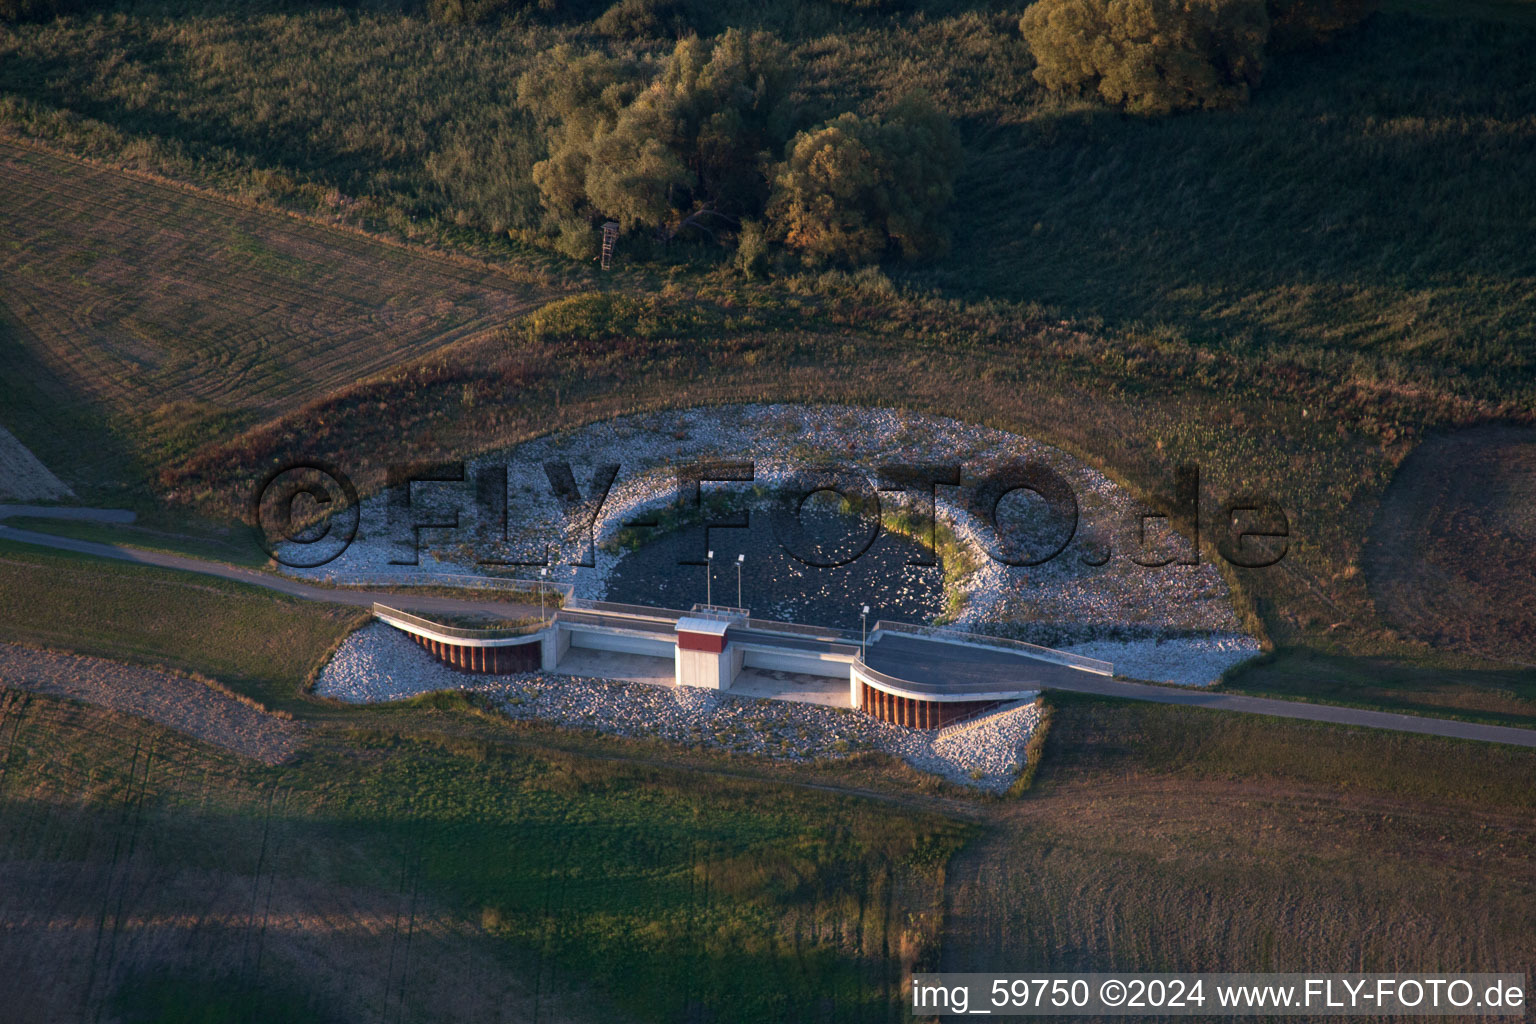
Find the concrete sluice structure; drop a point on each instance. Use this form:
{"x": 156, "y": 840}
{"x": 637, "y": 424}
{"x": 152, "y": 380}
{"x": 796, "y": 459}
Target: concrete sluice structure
{"x": 487, "y": 660}
{"x": 915, "y": 713}
{"x": 917, "y": 677}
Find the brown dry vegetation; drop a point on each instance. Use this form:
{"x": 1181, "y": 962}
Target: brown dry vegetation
{"x": 421, "y": 863}
{"x": 1452, "y": 553}
{"x": 174, "y": 316}
{"x": 1162, "y": 839}
{"x": 187, "y": 705}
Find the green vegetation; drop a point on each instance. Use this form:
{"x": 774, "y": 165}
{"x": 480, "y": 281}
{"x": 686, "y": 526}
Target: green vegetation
{"x": 848, "y": 190}
{"x": 501, "y": 873}
{"x": 1291, "y": 290}
{"x": 653, "y": 891}
{"x": 1034, "y": 749}
{"x": 34, "y": 10}
{"x": 954, "y": 555}
{"x": 1094, "y": 735}
{"x": 1407, "y": 680}
{"x": 261, "y": 644}
{"x": 1149, "y": 56}
{"x": 678, "y": 152}
{"x": 1281, "y": 844}
{"x": 691, "y": 151}
{"x": 1152, "y": 227}
{"x": 216, "y": 543}
{"x": 1157, "y": 56}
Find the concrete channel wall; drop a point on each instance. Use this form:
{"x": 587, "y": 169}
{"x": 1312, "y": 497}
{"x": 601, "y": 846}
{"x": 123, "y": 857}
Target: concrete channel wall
{"x": 710, "y": 648}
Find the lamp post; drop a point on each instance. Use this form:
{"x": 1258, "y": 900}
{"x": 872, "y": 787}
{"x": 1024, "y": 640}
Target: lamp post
{"x": 542, "y": 573}
{"x": 863, "y": 632}
{"x": 709, "y": 572}
{"x": 740, "y": 560}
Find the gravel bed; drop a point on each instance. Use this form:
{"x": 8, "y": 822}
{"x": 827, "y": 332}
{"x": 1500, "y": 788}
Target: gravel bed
{"x": 175, "y": 702}
{"x": 379, "y": 663}
{"x": 23, "y": 477}
{"x": 1187, "y": 661}
{"x": 1184, "y": 627}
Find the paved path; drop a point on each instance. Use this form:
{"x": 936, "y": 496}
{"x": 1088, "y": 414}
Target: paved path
{"x": 933, "y": 666}
{"x": 916, "y": 657}
{"x": 911, "y": 658}
{"x": 256, "y": 578}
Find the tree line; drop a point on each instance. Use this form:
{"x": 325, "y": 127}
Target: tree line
{"x": 710, "y": 145}
{"x": 1158, "y": 56}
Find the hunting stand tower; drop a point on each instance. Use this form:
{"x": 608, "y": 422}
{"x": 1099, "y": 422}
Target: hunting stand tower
{"x": 610, "y": 238}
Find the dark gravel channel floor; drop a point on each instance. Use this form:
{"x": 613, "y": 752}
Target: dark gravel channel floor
{"x": 775, "y": 584}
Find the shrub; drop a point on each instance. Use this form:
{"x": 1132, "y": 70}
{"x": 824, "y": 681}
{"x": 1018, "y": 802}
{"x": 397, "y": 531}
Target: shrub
{"x": 473, "y": 12}
{"x": 752, "y": 249}
{"x": 35, "y": 10}
{"x": 574, "y": 99}
{"x": 635, "y": 19}
{"x": 577, "y": 239}
{"x": 1149, "y": 56}
{"x": 1296, "y": 24}
{"x": 850, "y": 189}
{"x": 682, "y": 151}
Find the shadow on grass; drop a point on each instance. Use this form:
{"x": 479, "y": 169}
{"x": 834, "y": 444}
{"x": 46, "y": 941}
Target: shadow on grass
{"x": 1492, "y": 696}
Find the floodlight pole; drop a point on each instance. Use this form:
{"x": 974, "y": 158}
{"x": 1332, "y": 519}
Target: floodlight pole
{"x": 739, "y": 560}
{"x": 709, "y": 572}
{"x": 864, "y": 633}
{"x": 542, "y": 573}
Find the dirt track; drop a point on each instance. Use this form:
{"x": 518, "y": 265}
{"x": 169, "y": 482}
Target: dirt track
{"x": 173, "y": 701}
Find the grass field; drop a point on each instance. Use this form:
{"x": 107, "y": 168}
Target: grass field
{"x": 1406, "y": 679}
{"x": 1453, "y": 547}
{"x": 251, "y": 313}
{"x": 1160, "y": 838}
{"x": 1334, "y": 221}
{"x": 423, "y": 877}
{"x": 1325, "y": 296}
{"x": 260, "y": 643}
{"x": 434, "y": 864}
{"x": 182, "y": 536}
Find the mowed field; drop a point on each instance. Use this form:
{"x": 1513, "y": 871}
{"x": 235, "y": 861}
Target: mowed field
{"x": 173, "y": 316}
{"x": 415, "y": 867}
{"x": 1452, "y": 553}
{"x": 1169, "y": 839}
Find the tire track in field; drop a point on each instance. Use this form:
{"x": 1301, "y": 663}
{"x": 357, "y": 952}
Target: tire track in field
{"x": 141, "y": 294}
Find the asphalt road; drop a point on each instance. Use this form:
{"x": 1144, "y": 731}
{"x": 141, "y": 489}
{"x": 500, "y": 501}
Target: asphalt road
{"x": 270, "y": 581}
{"x": 930, "y": 662}
{"x": 905, "y": 657}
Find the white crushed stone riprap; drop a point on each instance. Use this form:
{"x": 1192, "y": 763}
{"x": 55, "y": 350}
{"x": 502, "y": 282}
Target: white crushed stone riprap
{"x": 994, "y": 746}
{"x": 1187, "y": 661}
{"x": 380, "y": 663}
{"x": 1066, "y": 602}
{"x": 23, "y": 477}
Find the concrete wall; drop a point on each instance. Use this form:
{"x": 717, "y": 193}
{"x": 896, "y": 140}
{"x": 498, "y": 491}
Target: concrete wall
{"x": 625, "y": 643}
{"x": 484, "y": 658}
{"x": 556, "y": 643}
{"x": 833, "y": 666}
{"x": 706, "y": 669}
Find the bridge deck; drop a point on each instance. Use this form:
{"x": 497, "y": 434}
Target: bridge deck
{"x": 946, "y": 669}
